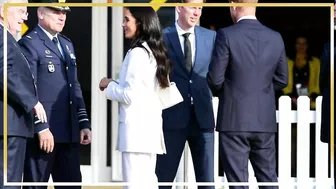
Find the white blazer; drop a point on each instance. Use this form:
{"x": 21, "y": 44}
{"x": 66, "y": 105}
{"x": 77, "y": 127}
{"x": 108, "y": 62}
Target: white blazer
{"x": 140, "y": 111}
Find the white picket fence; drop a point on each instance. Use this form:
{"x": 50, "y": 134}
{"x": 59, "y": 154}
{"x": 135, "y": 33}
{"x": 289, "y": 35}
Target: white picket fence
{"x": 285, "y": 117}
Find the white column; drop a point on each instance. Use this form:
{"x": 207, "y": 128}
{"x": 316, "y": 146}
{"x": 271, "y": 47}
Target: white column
{"x": 98, "y": 99}
{"x": 117, "y": 58}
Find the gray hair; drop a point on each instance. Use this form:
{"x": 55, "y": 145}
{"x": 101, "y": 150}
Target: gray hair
{"x": 2, "y": 2}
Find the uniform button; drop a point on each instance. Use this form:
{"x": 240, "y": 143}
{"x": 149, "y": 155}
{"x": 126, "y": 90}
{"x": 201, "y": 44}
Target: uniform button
{"x": 67, "y": 68}
{"x": 70, "y": 84}
{"x": 70, "y": 102}
{"x": 190, "y": 81}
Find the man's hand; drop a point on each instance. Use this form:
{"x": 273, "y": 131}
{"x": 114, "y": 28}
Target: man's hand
{"x": 46, "y": 141}
{"x": 103, "y": 83}
{"x": 85, "y": 136}
{"x": 40, "y": 112}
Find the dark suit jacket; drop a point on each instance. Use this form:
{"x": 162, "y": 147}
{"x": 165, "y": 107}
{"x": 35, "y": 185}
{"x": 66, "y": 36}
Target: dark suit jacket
{"x": 325, "y": 92}
{"x": 249, "y": 62}
{"x": 21, "y": 91}
{"x": 58, "y": 88}
{"x": 190, "y": 85}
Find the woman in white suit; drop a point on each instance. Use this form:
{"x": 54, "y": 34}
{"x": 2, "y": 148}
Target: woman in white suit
{"x": 145, "y": 68}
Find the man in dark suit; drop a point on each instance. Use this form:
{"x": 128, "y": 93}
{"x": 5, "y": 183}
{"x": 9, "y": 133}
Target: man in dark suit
{"x": 325, "y": 92}
{"x": 189, "y": 50}
{"x": 21, "y": 96}
{"x": 324, "y": 85}
{"x": 248, "y": 63}
{"x": 53, "y": 63}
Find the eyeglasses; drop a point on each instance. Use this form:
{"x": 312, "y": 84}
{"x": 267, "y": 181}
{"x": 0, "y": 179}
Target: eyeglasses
{"x": 23, "y": 12}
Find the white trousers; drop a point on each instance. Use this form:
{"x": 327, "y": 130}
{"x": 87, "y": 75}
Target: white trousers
{"x": 139, "y": 170}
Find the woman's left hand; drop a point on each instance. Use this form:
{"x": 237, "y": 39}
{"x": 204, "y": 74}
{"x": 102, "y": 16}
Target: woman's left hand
{"x": 103, "y": 83}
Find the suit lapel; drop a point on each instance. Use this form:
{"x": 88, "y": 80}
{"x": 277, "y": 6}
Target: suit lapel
{"x": 48, "y": 43}
{"x": 175, "y": 42}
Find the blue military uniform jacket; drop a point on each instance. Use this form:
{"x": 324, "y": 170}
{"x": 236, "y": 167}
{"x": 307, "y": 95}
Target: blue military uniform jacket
{"x": 59, "y": 91}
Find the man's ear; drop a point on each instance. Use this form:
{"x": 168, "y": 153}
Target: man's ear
{"x": 233, "y": 7}
{"x": 40, "y": 13}
{"x": 178, "y": 9}
{"x": 2, "y": 12}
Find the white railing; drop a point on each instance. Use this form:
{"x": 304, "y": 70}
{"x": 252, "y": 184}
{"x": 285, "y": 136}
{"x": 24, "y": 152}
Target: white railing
{"x": 285, "y": 117}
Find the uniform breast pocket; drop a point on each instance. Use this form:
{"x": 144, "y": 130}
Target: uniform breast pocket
{"x": 49, "y": 66}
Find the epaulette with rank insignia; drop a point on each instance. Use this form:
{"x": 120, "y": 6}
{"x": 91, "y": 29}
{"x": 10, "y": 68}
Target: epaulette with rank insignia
{"x": 31, "y": 35}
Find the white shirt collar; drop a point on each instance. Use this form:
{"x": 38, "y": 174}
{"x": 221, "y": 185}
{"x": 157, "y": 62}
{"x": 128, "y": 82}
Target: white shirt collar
{"x": 46, "y": 32}
{"x": 247, "y": 17}
{"x": 180, "y": 31}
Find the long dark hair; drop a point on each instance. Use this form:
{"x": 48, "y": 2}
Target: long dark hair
{"x": 149, "y": 30}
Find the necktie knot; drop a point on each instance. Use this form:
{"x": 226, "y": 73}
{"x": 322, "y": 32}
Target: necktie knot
{"x": 186, "y": 35}
{"x": 55, "y": 40}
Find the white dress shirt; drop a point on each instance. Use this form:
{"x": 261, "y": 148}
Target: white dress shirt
{"x": 192, "y": 40}
{"x": 247, "y": 17}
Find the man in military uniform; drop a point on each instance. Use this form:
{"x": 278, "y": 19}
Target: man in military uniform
{"x": 53, "y": 63}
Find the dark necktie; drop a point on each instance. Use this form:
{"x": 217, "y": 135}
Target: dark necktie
{"x": 56, "y": 42}
{"x": 187, "y": 51}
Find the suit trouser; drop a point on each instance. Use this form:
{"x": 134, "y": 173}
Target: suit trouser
{"x": 236, "y": 148}
{"x": 138, "y": 169}
{"x": 15, "y": 160}
{"x": 201, "y": 144}
{"x": 62, "y": 164}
